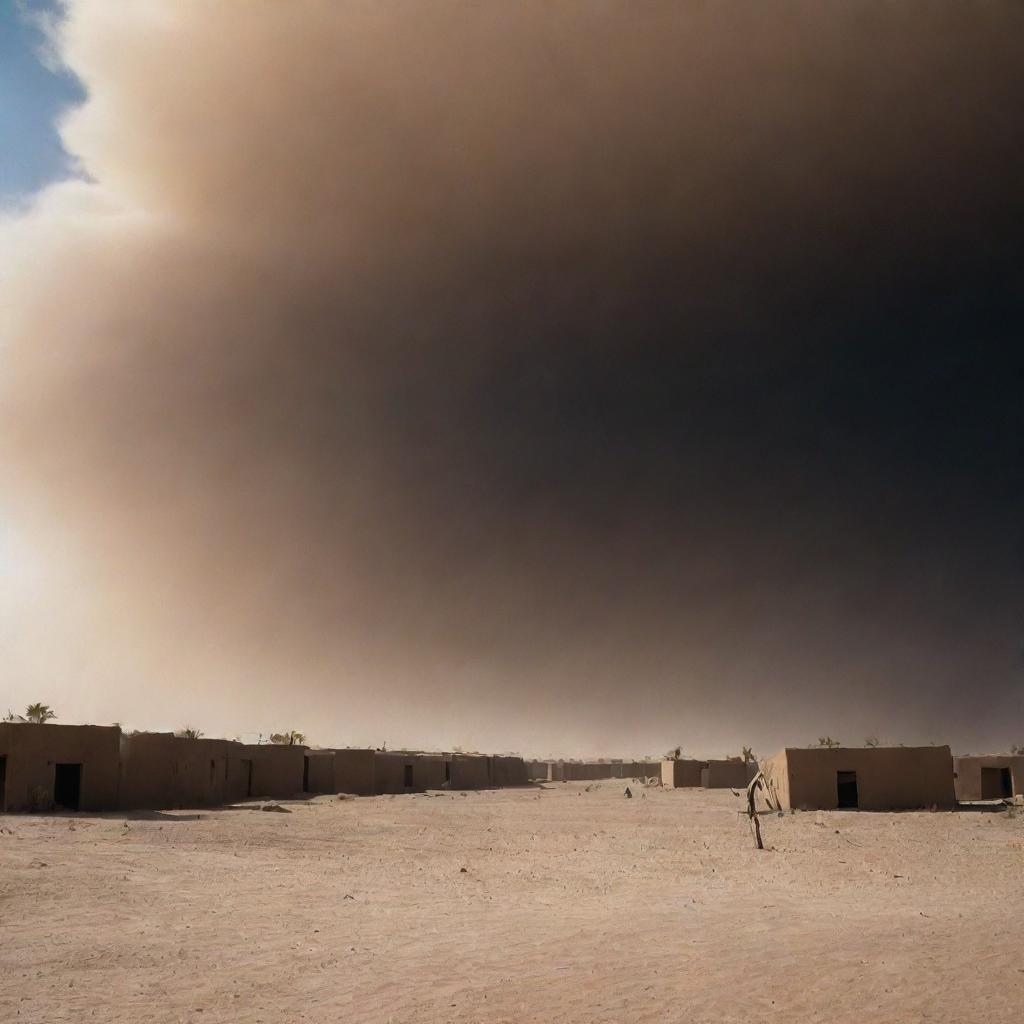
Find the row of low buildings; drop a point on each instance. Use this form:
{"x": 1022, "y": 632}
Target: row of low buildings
{"x": 590, "y": 771}
{"x": 806, "y": 778}
{"x": 712, "y": 774}
{"x": 100, "y": 768}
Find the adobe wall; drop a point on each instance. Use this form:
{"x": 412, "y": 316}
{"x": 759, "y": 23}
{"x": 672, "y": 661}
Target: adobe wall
{"x": 508, "y": 771}
{"x": 537, "y": 771}
{"x": 681, "y": 773}
{"x": 277, "y": 768}
{"x": 470, "y": 771}
{"x": 241, "y": 774}
{"x": 389, "y": 768}
{"x": 775, "y": 771}
{"x": 161, "y": 770}
{"x": 724, "y": 775}
{"x": 888, "y": 778}
{"x": 430, "y": 771}
{"x": 319, "y": 771}
{"x": 33, "y": 751}
{"x": 587, "y": 771}
{"x": 967, "y": 773}
{"x": 148, "y": 778}
{"x": 354, "y": 772}
{"x": 556, "y": 771}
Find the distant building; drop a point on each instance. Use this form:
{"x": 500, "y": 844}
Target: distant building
{"x": 988, "y": 776}
{"x": 730, "y": 773}
{"x": 681, "y": 773}
{"x": 865, "y": 778}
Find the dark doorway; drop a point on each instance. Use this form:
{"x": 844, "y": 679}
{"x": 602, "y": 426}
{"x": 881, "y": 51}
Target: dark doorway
{"x": 846, "y": 789}
{"x": 996, "y": 783}
{"x": 447, "y": 771}
{"x": 407, "y": 776}
{"x": 305, "y": 774}
{"x": 3, "y": 784}
{"x": 67, "y": 786}
{"x": 247, "y": 772}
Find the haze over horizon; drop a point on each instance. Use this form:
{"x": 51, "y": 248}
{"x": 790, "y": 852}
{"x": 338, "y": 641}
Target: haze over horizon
{"x": 576, "y": 379}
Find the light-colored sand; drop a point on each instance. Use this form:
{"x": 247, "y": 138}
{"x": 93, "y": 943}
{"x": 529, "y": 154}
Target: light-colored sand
{"x": 575, "y": 906}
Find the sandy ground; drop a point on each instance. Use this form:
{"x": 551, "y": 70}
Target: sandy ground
{"x": 575, "y": 905}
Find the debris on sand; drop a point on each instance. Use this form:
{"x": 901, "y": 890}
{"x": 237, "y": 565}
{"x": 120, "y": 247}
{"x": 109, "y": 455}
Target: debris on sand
{"x": 628, "y": 794}
{"x": 275, "y": 807}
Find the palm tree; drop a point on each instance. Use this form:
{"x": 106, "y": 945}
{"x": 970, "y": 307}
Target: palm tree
{"x": 189, "y": 733}
{"x": 748, "y": 755}
{"x": 870, "y": 741}
{"x": 827, "y": 741}
{"x": 39, "y": 713}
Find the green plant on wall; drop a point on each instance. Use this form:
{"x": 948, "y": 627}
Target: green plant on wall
{"x": 39, "y": 713}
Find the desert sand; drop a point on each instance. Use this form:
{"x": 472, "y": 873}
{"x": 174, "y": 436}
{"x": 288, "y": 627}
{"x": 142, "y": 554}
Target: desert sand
{"x": 564, "y": 903}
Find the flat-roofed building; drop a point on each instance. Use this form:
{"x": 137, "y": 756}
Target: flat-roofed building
{"x": 865, "y": 778}
{"x": 65, "y": 767}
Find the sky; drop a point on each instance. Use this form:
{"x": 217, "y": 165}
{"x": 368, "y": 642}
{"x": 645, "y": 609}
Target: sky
{"x": 33, "y": 92}
{"x": 579, "y": 379}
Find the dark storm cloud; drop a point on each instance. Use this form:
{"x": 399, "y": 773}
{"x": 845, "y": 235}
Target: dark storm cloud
{"x": 502, "y": 361}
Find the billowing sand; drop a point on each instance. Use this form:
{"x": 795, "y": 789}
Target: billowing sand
{"x": 574, "y": 905}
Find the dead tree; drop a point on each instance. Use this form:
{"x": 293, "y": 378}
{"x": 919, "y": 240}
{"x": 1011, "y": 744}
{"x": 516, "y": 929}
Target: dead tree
{"x": 758, "y": 782}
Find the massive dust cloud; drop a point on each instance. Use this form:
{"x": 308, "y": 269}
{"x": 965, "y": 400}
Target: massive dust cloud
{"x": 574, "y": 379}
